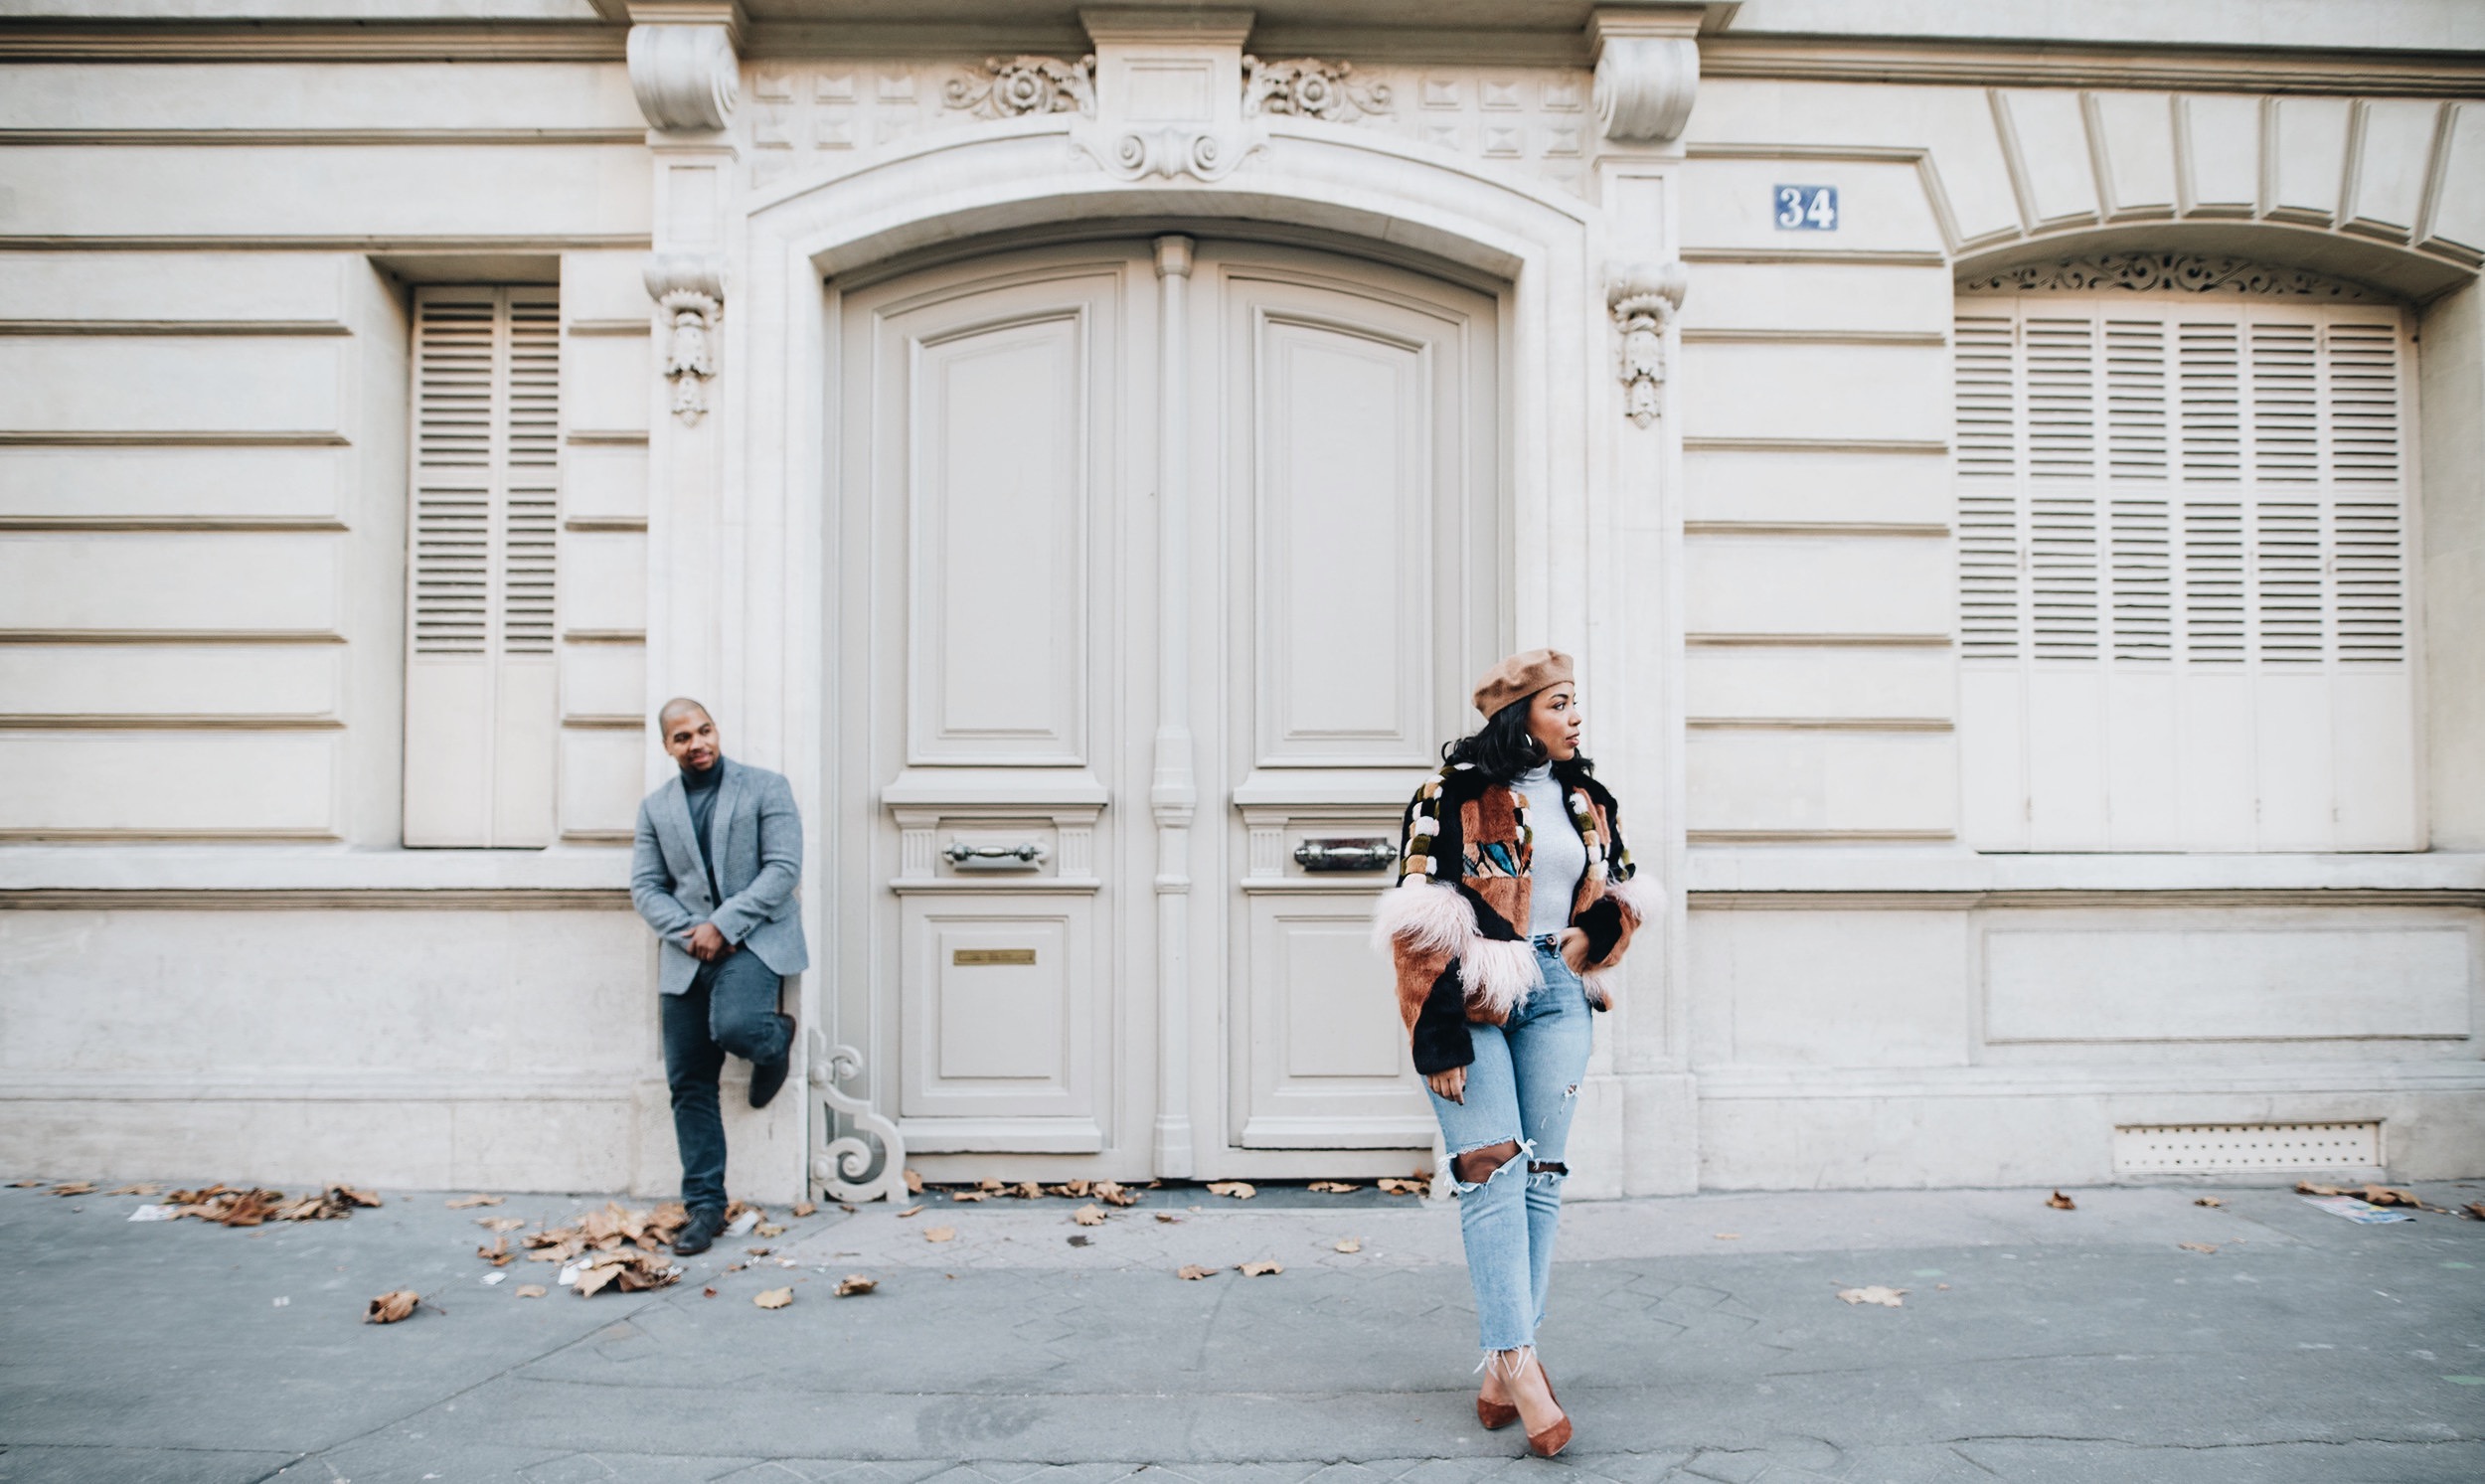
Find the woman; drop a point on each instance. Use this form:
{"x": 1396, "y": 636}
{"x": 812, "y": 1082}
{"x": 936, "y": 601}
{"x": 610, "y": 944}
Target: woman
{"x": 1514, "y": 904}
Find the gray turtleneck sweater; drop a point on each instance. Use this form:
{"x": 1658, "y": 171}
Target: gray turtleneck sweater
{"x": 1561, "y": 855}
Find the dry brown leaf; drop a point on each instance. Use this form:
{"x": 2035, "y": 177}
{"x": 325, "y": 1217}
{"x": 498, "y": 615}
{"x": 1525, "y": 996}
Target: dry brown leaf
{"x": 970, "y": 1195}
{"x": 2384, "y": 1195}
{"x": 134, "y": 1190}
{"x": 993, "y": 1186}
{"x": 2308, "y": 1188}
{"x": 500, "y": 1222}
{"x": 939, "y": 1233}
{"x": 390, "y": 1307}
{"x": 358, "y": 1198}
{"x": 758, "y": 1252}
{"x": 1090, "y": 1215}
{"x": 498, "y": 1253}
{"x": 1874, "y": 1293}
{"x": 1026, "y": 1190}
{"x": 1236, "y": 1190}
{"x": 910, "y": 1210}
{"x": 854, "y": 1284}
{"x": 2060, "y": 1202}
{"x": 1333, "y": 1187}
{"x": 2208, "y": 1201}
{"x": 1193, "y": 1274}
{"x": 2475, "y": 1210}
{"x": 2198, "y": 1246}
{"x": 1263, "y": 1268}
{"x": 1726, "y": 1236}
{"x": 1112, "y": 1193}
{"x": 1350, "y": 1243}
{"x": 1070, "y": 1189}
{"x": 626, "y": 1273}
{"x": 469, "y": 1203}
{"x": 75, "y": 1188}
{"x": 1167, "y": 1217}
{"x": 803, "y": 1208}
{"x": 774, "y": 1298}
{"x": 1391, "y": 1185}
{"x": 530, "y": 1290}
{"x": 24, "y": 1185}
{"x": 771, "y": 1229}
{"x": 914, "y": 1183}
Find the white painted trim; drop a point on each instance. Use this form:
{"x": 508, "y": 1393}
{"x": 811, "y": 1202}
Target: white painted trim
{"x": 1863, "y": 869}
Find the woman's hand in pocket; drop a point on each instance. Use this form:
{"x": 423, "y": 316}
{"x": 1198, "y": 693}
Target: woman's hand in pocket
{"x": 1451, "y": 1085}
{"x": 1575, "y": 950}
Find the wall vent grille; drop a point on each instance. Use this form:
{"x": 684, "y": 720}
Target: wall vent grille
{"x": 2211, "y": 1148}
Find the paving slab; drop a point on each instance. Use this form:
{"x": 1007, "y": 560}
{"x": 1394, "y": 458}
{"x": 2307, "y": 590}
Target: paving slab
{"x": 1694, "y": 1338}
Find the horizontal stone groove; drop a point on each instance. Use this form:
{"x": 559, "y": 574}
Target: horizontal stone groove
{"x": 173, "y": 328}
{"x": 170, "y": 438}
{"x": 616, "y": 722}
{"x": 167, "y": 636}
{"x": 1922, "y": 529}
{"x": 110, "y": 138}
{"x": 1817, "y": 641}
{"x": 1815, "y": 445}
{"x": 1824, "y": 836}
{"x": 164, "y": 722}
{"x": 1881, "y": 900}
{"x": 272, "y": 243}
{"x": 109, "y": 41}
{"x": 1820, "y": 724}
{"x": 2073, "y": 65}
{"x": 300, "y": 898}
{"x": 140, "y": 524}
{"x": 1835, "y": 257}
{"x": 1730, "y": 335}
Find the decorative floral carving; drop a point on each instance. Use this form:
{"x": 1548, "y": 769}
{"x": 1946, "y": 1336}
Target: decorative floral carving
{"x": 2189, "y": 272}
{"x": 691, "y": 291}
{"x": 1020, "y": 85}
{"x": 1643, "y": 298}
{"x": 1310, "y": 88}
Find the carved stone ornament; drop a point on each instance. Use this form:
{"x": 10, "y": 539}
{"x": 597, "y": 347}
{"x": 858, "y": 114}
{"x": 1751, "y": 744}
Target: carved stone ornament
{"x": 1645, "y": 87}
{"x": 1643, "y": 298}
{"x": 685, "y": 76}
{"x": 1310, "y": 88}
{"x": 2187, "y": 272}
{"x": 691, "y": 291}
{"x": 1137, "y": 154}
{"x": 1018, "y": 85}
{"x": 845, "y": 1168}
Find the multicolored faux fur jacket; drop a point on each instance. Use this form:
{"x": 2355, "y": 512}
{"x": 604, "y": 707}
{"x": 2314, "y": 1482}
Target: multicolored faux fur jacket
{"x": 1456, "y": 921}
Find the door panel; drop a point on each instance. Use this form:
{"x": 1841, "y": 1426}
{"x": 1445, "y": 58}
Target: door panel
{"x": 1358, "y": 451}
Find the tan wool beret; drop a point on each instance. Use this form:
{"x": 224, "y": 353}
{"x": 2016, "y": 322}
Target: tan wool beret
{"x": 1520, "y": 676}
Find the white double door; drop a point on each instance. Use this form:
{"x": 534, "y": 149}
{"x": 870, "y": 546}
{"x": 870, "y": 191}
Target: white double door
{"x": 1162, "y": 566}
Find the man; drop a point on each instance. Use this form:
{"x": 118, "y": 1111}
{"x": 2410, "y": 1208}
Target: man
{"x": 713, "y": 869}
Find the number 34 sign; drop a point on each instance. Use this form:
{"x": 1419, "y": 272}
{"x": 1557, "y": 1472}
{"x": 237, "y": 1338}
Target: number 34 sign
{"x": 1806, "y": 208}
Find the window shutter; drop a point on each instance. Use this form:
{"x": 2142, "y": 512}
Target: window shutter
{"x": 481, "y": 697}
{"x": 2163, "y": 498}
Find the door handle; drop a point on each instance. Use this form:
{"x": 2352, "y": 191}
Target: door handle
{"x": 1364, "y": 852}
{"x": 993, "y": 857}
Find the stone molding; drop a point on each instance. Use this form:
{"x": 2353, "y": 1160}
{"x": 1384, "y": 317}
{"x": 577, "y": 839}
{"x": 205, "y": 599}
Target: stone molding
{"x": 2186, "y": 272}
{"x": 1172, "y": 152}
{"x": 1642, "y": 298}
{"x": 684, "y": 72}
{"x": 1308, "y": 88}
{"x": 1016, "y": 87}
{"x": 690, "y": 288}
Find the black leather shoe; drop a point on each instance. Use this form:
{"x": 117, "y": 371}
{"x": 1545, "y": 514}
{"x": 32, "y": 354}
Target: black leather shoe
{"x": 767, "y": 1076}
{"x": 700, "y": 1232}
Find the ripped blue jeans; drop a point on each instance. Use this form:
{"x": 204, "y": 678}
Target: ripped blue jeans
{"x": 1520, "y": 1089}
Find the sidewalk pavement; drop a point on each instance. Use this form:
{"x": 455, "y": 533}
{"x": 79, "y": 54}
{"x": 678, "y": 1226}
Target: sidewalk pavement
{"x": 1694, "y": 1338}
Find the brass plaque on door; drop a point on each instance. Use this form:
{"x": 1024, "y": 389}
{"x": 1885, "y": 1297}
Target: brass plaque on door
{"x": 981, "y": 957}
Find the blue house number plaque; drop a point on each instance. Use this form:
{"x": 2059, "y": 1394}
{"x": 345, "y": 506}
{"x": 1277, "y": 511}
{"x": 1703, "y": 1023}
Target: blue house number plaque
{"x": 1807, "y": 208}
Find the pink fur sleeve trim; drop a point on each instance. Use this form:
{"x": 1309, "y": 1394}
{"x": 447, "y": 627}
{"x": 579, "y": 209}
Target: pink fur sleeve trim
{"x": 1643, "y": 897}
{"x": 1426, "y": 917}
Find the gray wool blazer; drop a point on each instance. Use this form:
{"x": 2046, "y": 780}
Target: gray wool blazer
{"x": 756, "y": 837}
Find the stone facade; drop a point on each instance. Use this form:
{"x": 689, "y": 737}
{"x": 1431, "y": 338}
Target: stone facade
{"x": 313, "y": 859}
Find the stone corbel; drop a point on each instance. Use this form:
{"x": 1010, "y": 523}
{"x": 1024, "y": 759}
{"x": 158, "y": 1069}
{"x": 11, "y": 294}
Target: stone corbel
{"x": 683, "y": 69}
{"x": 1643, "y": 297}
{"x": 1647, "y": 71}
{"x": 690, "y": 288}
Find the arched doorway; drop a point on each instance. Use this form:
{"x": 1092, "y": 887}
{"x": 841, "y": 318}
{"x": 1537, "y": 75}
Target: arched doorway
{"x": 1158, "y": 565}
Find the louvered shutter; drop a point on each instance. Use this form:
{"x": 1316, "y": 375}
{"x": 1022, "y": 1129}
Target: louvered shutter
{"x": 2182, "y": 573}
{"x": 481, "y": 719}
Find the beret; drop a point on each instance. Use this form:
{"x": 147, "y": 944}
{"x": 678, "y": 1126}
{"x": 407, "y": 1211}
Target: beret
{"x": 1520, "y": 676}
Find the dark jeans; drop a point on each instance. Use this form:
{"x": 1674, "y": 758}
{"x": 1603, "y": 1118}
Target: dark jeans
{"x": 730, "y": 1007}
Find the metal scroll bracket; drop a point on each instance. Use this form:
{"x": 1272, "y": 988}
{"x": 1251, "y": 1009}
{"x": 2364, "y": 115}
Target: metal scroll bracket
{"x": 842, "y": 1166}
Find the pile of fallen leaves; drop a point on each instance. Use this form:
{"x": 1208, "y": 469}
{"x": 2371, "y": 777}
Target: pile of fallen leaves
{"x": 1111, "y": 1192}
{"x": 2372, "y": 1194}
{"x": 257, "y": 1205}
{"x": 615, "y": 1247}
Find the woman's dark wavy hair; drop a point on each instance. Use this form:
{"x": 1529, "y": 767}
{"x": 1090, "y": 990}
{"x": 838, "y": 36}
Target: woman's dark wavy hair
{"x": 1501, "y": 748}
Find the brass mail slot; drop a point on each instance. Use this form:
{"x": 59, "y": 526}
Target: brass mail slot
{"x": 977, "y": 957}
